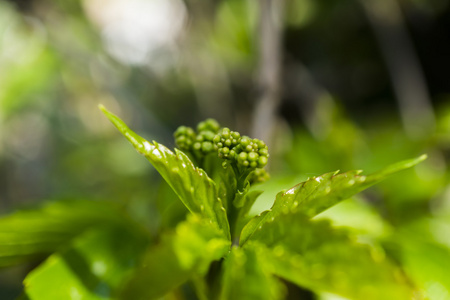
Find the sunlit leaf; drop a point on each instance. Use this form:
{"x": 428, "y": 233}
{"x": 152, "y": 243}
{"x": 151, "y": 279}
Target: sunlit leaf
{"x": 195, "y": 189}
{"x": 428, "y": 264}
{"x": 245, "y": 278}
{"x": 93, "y": 268}
{"x": 178, "y": 257}
{"x": 29, "y": 234}
{"x": 425, "y": 259}
{"x": 316, "y": 256}
{"x": 317, "y": 194}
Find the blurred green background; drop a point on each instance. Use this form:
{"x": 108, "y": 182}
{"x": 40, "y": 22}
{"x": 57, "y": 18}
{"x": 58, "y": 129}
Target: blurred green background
{"x": 362, "y": 84}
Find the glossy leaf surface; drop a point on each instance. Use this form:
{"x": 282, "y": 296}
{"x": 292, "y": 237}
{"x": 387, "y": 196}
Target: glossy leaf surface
{"x": 317, "y": 194}
{"x": 316, "y": 256}
{"x": 245, "y": 278}
{"x": 195, "y": 189}
{"x": 178, "y": 257}
{"x": 29, "y": 234}
{"x": 93, "y": 268}
{"x": 227, "y": 185}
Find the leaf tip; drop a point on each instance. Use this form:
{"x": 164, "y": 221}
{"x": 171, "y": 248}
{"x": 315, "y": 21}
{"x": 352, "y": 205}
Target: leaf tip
{"x": 112, "y": 117}
{"x": 422, "y": 157}
{"x": 416, "y": 161}
{"x": 104, "y": 110}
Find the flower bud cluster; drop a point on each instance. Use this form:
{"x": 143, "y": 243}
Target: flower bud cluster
{"x": 244, "y": 151}
{"x": 184, "y": 137}
{"x": 200, "y": 142}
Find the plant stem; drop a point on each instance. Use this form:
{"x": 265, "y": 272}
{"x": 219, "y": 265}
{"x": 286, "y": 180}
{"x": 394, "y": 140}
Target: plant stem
{"x": 233, "y": 211}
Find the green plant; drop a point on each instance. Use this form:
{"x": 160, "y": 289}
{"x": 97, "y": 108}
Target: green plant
{"x": 219, "y": 251}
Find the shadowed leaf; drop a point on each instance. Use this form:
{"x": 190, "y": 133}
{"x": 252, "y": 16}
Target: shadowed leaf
{"x": 246, "y": 279}
{"x": 316, "y": 256}
{"x": 180, "y": 256}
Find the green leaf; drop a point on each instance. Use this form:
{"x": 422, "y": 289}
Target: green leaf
{"x": 31, "y": 234}
{"x": 422, "y": 248}
{"x": 180, "y": 256}
{"x": 317, "y": 194}
{"x": 249, "y": 200}
{"x": 428, "y": 264}
{"x": 195, "y": 189}
{"x": 93, "y": 268}
{"x": 240, "y": 197}
{"x": 245, "y": 278}
{"x": 201, "y": 287}
{"x": 227, "y": 185}
{"x": 242, "y": 219}
{"x": 316, "y": 256}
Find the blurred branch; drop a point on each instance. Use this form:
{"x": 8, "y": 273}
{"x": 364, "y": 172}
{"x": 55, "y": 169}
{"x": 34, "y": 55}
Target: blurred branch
{"x": 211, "y": 85}
{"x": 270, "y": 57}
{"x": 403, "y": 65}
